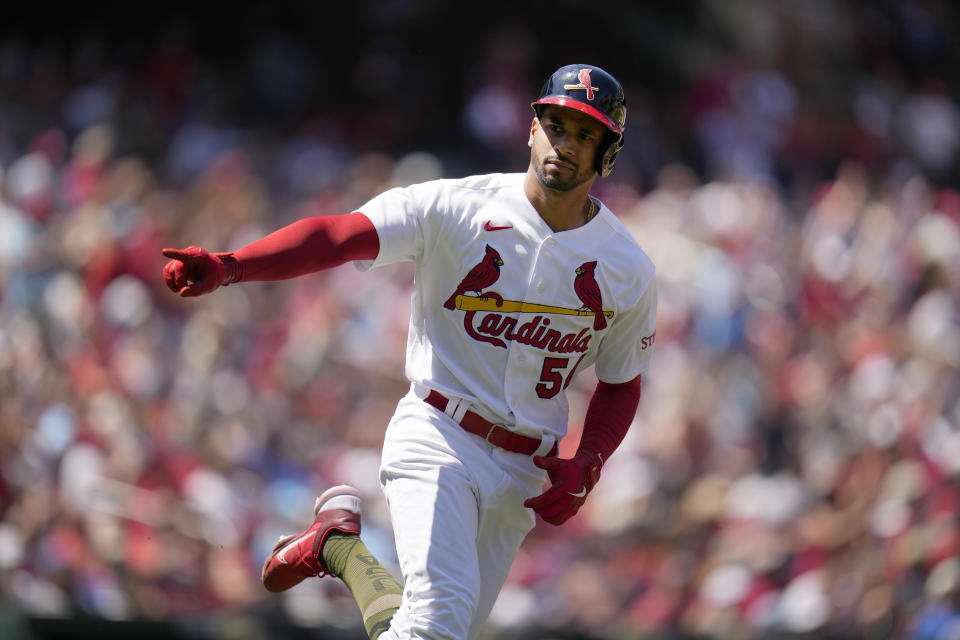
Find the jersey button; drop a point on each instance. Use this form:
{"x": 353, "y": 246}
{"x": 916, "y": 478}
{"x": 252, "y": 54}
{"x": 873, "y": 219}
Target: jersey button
{"x": 551, "y": 243}
{"x": 541, "y": 288}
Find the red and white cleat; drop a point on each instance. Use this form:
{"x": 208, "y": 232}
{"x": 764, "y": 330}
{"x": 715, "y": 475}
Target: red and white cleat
{"x": 297, "y": 556}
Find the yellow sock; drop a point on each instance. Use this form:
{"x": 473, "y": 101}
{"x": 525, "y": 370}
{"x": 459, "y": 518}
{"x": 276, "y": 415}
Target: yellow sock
{"x": 376, "y": 591}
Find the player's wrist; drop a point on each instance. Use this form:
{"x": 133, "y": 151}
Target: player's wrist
{"x": 590, "y": 463}
{"x": 231, "y": 271}
{"x": 589, "y": 456}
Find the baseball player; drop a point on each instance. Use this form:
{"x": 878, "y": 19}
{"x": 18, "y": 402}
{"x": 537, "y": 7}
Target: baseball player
{"x": 521, "y": 281}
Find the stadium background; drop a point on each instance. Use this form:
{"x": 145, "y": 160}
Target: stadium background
{"x": 790, "y": 166}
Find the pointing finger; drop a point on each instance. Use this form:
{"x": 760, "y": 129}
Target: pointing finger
{"x": 176, "y": 254}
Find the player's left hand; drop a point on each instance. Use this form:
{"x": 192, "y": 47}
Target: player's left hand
{"x": 571, "y": 480}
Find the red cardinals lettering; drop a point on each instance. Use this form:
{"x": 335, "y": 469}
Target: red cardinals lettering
{"x": 589, "y": 293}
{"x": 480, "y": 277}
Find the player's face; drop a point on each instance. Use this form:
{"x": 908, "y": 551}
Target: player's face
{"x": 563, "y": 147}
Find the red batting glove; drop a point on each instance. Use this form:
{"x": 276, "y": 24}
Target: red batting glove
{"x": 571, "y": 480}
{"x": 194, "y": 271}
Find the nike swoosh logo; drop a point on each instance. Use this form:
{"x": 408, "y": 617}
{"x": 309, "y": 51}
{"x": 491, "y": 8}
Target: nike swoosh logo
{"x": 488, "y": 226}
{"x": 282, "y": 556}
{"x": 581, "y": 494}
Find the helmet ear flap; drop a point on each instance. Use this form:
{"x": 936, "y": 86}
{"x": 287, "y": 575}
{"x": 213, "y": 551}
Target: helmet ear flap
{"x": 608, "y": 156}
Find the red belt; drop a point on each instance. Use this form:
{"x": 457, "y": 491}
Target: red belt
{"x": 496, "y": 434}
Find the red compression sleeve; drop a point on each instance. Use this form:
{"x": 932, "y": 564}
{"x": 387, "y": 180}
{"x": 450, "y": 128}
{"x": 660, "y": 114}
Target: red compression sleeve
{"x": 609, "y": 415}
{"x": 308, "y": 245}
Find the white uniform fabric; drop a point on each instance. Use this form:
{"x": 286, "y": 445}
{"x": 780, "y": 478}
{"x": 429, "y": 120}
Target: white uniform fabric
{"x": 456, "y": 501}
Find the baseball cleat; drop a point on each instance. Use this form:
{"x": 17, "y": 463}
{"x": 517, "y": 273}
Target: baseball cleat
{"x": 297, "y": 556}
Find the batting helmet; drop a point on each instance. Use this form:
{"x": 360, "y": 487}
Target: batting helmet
{"x": 595, "y": 92}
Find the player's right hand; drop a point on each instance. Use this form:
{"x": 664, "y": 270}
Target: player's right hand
{"x": 193, "y": 271}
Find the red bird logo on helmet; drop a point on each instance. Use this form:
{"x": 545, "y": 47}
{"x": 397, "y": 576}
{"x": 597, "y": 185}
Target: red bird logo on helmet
{"x": 479, "y": 278}
{"x": 584, "y": 78}
{"x": 585, "y": 284}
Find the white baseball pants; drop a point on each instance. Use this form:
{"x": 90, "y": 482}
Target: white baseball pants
{"x": 456, "y": 503}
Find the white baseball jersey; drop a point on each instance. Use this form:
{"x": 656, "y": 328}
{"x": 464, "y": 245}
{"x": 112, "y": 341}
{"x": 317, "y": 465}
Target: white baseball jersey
{"x": 499, "y": 317}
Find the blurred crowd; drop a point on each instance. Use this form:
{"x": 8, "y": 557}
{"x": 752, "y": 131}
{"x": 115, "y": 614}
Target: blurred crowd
{"x": 792, "y": 469}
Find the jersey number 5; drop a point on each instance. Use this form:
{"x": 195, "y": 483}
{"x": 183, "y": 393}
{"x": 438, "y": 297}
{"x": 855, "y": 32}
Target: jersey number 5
{"x": 551, "y": 376}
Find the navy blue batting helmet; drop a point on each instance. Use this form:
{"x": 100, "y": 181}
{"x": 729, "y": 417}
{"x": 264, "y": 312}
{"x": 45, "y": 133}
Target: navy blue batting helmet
{"x": 590, "y": 90}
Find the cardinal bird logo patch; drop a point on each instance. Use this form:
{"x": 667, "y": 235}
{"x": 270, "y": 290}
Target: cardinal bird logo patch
{"x": 484, "y": 274}
{"x": 587, "y": 289}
